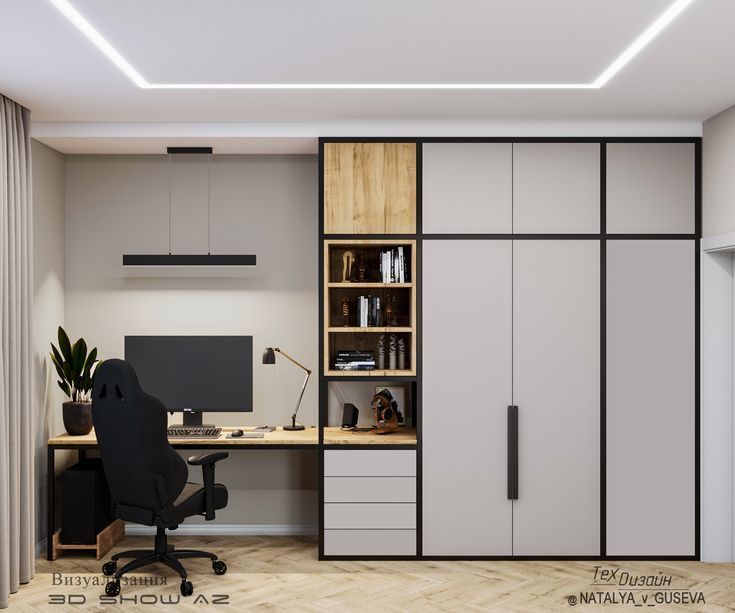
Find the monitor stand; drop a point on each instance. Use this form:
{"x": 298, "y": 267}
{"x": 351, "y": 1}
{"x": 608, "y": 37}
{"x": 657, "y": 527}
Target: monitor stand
{"x": 192, "y": 418}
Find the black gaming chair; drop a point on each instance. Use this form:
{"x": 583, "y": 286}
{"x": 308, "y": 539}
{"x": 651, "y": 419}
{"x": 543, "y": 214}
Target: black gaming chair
{"x": 147, "y": 478}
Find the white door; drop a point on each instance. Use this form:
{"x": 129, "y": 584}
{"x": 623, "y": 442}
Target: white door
{"x": 467, "y": 289}
{"x": 556, "y": 386}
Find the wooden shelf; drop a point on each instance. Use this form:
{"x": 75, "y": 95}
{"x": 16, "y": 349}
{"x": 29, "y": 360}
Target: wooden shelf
{"x": 370, "y": 373}
{"x": 337, "y": 436}
{"x": 369, "y": 285}
{"x": 358, "y": 329}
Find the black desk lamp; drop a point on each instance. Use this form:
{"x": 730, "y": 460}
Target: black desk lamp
{"x": 269, "y": 357}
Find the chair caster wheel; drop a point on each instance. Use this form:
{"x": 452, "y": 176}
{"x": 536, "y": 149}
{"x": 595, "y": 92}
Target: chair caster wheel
{"x": 219, "y": 567}
{"x": 187, "y": 589}
{"x": 109, "y": 568}
{"x": 113, "y": 588}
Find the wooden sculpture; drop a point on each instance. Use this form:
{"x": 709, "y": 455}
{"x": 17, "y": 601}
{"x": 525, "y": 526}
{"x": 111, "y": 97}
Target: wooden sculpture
{"x": 347, "y": 259}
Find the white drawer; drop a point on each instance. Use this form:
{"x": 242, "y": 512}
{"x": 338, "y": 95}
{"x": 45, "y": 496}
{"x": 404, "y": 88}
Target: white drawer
{"x": 370, "y": 516}
{"x": 370, "y": 463}
{"x": 370, "y": 542}
{"x": 370, "y": 489}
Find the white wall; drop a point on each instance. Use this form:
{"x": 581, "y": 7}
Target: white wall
{"x": 48, "y": 307}
{"x": 717, "y": 434}
{"x": 267, "y": 205}
{"x": 718, "y": 179}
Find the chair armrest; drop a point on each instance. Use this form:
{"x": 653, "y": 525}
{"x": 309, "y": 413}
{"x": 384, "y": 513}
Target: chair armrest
{"x": 207, "y": 458}
{"x": 206, "y": 461}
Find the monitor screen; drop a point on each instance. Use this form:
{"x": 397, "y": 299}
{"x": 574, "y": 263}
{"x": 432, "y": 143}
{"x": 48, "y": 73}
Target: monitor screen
{"x": 201, "y": 373}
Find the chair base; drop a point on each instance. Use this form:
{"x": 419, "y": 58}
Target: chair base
{"x": 163, "y": 553}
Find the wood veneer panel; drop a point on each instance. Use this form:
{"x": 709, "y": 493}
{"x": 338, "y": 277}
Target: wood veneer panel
{"x": 369, "y": 188}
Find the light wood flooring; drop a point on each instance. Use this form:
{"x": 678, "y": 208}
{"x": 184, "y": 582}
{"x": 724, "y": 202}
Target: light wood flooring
{"x": 283, "y": 574}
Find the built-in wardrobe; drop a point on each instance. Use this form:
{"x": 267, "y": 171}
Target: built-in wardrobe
{"x": 557, "y": 347}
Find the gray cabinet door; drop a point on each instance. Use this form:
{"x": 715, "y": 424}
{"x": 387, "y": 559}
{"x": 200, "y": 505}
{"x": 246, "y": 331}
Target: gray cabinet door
{"x": 556, "y": 188}
{"x": 650, "y": 188}
{"x": 466, "y": 390}
{"x": 556, "y": 386}
{"x": 467, "y": 188}
{"x": 650, "y": 398}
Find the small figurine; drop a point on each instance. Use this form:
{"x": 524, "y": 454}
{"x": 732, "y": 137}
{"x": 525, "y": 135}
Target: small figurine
{"x": 361, "y": 268}
{"x": 347, "y": 259}
{"x": 345, "y": 311}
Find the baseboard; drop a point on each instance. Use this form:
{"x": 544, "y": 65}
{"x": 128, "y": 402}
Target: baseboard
{"x": 230, "y": 530}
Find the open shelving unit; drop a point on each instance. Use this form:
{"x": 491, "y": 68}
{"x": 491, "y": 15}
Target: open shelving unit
{"x": 341, "y": 332}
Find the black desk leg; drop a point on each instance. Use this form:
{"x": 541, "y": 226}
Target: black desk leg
{"x": 50, "y": 501}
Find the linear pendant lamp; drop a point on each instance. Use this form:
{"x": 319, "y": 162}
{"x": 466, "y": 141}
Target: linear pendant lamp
{"x": 193, "y": 259}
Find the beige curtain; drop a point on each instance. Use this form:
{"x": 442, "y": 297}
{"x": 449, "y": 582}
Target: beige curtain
{"x": 17, "y": 513}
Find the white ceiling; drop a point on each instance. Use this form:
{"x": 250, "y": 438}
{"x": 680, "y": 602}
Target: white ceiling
{"x": 684, "y": 74}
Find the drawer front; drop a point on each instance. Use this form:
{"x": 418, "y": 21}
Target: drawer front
{"x": 370, "y": 463}
{"x": 370, "y": 489}
{"x": 370, "y": 542}
{"x": 370, "y": 516}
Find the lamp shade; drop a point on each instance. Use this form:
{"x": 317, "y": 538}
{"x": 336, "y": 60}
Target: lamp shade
{"x": 269, "y": 356}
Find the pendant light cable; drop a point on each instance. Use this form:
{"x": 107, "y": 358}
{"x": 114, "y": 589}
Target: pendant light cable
{"x": 169, "y": 204}
{"x": 209, "y": 204}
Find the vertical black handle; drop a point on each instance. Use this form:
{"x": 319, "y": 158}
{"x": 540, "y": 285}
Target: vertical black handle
{"x": 512, "y": 452}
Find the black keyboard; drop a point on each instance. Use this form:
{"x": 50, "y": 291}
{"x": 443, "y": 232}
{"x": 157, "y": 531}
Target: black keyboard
{"x": 194, "y": 432}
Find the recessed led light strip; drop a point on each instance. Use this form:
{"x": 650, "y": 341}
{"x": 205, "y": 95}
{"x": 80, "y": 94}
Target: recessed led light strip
{"x": 673, "y": 11}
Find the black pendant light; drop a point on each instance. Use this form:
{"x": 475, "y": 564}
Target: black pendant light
{"x": 194, "y": 259}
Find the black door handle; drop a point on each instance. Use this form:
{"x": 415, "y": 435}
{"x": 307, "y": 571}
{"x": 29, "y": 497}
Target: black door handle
{"x": 512, "y": 452}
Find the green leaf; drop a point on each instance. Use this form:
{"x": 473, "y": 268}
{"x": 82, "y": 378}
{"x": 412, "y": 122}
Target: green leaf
{"x": 91, "y": 358}
{"x": 56, "y": 355}
{"x": 65, "y": 388}
{"x": 79, "y": 355}
{"x": 59, "y": 371}
{"x": 64, "y": 345}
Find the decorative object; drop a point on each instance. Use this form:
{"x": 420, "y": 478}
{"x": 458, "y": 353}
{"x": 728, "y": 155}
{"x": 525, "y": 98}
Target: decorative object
{"x": 400, "y": 395}
{"x": 392, "y": 343}
{"x": 345, "y": 301}
{"x": 385, "y": 413}
{"x": 269, "y": 357}
{"x": 347, "y": 260}
{"x": 401, "y": 354}
{"x": 391, "y": 310}
{"x": 361, "y": 268}
{"x": 381, "y": 353}
{"x": 75, "y": 369}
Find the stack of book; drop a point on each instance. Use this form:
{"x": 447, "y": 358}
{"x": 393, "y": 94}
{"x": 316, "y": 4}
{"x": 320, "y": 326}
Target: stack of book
{"x": 368, "y": 311}
{"x": 354, "y": 360}
{"x": 393, "y": 266}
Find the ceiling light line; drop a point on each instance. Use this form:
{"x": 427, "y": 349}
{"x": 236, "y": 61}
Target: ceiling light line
{"x": 671, "y": 13}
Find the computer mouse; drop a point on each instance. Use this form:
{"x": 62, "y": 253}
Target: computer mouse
{"x": 237, "y": 433}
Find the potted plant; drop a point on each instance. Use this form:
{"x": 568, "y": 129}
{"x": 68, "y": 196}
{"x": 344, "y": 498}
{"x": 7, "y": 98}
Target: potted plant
{"x": 75, "y": 369}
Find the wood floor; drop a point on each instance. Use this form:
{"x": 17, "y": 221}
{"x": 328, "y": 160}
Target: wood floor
{"x": 283, "y": 574}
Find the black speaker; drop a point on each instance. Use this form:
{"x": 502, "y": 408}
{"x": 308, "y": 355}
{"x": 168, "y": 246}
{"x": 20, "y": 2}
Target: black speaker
{"x": 86, "y": 507}
{"x": 349, "y": 415}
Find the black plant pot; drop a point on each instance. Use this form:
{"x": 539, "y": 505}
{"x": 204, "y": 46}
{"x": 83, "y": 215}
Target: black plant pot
{"x": 77, "y": 417}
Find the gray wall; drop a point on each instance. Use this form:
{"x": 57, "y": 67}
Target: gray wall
{"x": 718, "y": 179}
{"x": 48, "y": 307}
{"x": 265, "y": 205}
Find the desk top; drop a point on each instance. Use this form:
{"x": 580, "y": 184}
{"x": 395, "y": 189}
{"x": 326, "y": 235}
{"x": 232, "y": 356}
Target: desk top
{"x": 277, "y": 438}
{"x": 337, "y": 436}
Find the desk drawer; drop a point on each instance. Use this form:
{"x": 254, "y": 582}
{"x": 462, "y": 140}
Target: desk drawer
{"x": 370, "y": 542}
{"x": 370, "y": 516}
{"x": 370, "y": 463}
{"x": 370, "y": 489}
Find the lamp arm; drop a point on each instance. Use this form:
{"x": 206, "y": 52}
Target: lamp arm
{"x": 284, "y": 354}
{"x": 301, "y": 395}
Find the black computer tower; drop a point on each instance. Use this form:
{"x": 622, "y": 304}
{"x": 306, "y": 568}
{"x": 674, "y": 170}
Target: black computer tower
{"x": 86, "y": 507}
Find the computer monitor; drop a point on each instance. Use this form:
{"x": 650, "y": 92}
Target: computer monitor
{"x": 194, "y": 374}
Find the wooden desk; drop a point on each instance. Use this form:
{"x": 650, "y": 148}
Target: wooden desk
{"x": 279, "y": 439}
